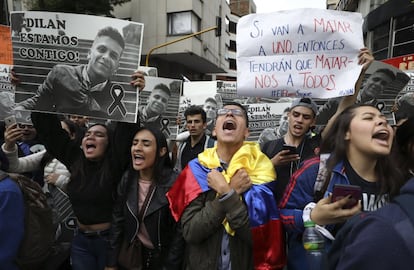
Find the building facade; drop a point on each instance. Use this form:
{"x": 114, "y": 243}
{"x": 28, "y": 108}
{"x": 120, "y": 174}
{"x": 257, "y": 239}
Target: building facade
{"x": 388, "y": 25}
{"x": 196, "y": 57}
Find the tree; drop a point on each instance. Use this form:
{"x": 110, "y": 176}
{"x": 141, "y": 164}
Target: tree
{"x": 93, "y": 7}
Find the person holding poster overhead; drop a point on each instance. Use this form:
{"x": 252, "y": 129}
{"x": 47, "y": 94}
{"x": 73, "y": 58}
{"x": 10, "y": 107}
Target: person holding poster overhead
{"x": 96, "y": 168}
{"x": 84, "y": 89}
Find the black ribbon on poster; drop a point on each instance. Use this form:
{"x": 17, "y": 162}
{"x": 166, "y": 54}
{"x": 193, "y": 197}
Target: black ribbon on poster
{"x": 117, "y": 93}
{"x": 164, "y": 128}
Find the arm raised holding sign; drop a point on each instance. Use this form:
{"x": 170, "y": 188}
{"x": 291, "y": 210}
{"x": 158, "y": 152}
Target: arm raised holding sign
{"x": 365, "y": 58}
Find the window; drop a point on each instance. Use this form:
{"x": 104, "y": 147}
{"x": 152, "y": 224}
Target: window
{"x": 232, "y": 64}
{"x": 183, "y": 23}
{"x": 403, "y": 35}
{"x": 232, "y": 27}
{"x": 381, "y": 41}
{"x": 232, "y": 46}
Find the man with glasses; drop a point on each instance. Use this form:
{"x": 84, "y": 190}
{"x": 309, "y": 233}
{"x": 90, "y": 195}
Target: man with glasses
{"x": 218, "y": 197}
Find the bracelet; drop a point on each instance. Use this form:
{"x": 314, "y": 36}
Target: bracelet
{"x": 225, "y": 196}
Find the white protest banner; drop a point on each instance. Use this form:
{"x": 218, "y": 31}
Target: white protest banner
{"x": 76, "y": 64}
{"x": 297, "y": 53}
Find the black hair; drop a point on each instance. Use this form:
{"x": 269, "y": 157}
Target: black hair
{"x": 47, "y": 157}
{"x": 80, "y": 166}
{"x": 73, "y": 129}
{"x": 404, "y": 145}
{"x": 194, "y": 110}
{"x": 241, "y": 107}
{"x": 210, "y": 99}
{"x": 112, "y": 33}
{"x": 163, "y": 88}
{"x": 387, "y": 72}
{"x": 162, "y": 164}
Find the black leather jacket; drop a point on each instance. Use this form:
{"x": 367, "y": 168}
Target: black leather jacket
{"x": 164, "y": 232}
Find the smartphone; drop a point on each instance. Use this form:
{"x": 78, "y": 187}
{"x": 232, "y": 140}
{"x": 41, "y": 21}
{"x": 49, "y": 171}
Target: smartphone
{"x": 341, "y": 191}
{"x": 291, "y": 148}
{"x": 10, "y": 120}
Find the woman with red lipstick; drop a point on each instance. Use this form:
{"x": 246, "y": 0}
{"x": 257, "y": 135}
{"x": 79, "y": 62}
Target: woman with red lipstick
{"x": 96, "y": 168}
{"x": 141, "y": 214}
{"x": 359, "y": 143}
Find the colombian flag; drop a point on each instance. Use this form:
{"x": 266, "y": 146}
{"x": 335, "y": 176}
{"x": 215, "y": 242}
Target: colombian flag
{"x": 267, "y": 231}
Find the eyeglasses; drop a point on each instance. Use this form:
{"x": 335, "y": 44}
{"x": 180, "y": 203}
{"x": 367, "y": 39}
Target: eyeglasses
{"x": 225, "y": 111}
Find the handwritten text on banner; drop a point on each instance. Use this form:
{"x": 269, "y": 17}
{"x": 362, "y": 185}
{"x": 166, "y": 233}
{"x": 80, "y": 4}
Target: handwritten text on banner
{"x": 296, "y": 53}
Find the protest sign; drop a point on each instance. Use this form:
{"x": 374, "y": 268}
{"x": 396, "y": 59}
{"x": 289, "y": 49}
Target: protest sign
{"x": 203, "y": 94}
{"x": 76, "y": 64}
{"x": 6, "y": 64}
{"x": 298, "y": 53}
{"x": 158, "y": 104}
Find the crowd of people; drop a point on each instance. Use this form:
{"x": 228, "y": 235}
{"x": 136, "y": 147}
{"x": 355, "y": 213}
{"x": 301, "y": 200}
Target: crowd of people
{"x": 217, "y": 201}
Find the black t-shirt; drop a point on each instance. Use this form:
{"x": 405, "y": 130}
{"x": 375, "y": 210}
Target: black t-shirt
{"x": 308, "y": 148}
{"x": 371, "y": 200}
{"x": 189, "y": 152}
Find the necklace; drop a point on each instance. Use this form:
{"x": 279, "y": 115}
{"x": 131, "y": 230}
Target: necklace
{"x": 294, "y": 165}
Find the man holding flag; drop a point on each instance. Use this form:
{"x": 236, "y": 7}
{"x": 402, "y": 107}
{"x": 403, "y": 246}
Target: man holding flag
{"x": 224, "y": 199}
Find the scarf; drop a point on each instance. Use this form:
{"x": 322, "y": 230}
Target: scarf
{"x": 267, "y": 232}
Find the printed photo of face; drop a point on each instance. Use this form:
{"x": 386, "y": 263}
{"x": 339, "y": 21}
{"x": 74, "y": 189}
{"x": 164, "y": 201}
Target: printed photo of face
{"x": 210, "y": 108}
{"x": 375, "y": 86}
{"x": 157, "y": 101}
{"x": 103, "y": 58}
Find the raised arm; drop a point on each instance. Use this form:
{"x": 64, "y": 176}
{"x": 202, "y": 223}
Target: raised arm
{"x": 365, "y": 59}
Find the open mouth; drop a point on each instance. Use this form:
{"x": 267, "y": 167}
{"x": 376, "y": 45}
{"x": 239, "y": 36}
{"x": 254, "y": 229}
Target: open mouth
{"x": 90, "y": 147}
{"x": 382, "y": 135}
{"x": 138, "y": 159}
{"x": 229, "y": 125}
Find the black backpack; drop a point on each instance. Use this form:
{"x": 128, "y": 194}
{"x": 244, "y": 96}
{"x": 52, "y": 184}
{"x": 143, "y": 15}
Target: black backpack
{"x": 39, "y": 232}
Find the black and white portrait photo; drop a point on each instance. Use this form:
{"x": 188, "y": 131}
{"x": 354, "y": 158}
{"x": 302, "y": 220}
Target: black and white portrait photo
{"x": 158, "y": 104}
{"x": 66, "y": 68}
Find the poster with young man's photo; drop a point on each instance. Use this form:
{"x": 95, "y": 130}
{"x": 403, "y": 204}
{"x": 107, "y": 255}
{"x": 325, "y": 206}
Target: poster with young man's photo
{"x": 158, "y": 105}
{"x": 380, "y": 87}
{"x": 76, "y": 64}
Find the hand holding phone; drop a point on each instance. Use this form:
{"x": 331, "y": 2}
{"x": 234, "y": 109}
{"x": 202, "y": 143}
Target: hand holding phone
{"x": 291, "y": 148}
{"x": 10, "y": 120}
{"x": 342, "y": 191}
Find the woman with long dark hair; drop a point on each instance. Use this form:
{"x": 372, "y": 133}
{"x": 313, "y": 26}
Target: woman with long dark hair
{"x": 96, "y": 168}
{"x": 141, "y": 214}
{"x": 359, "y": 143}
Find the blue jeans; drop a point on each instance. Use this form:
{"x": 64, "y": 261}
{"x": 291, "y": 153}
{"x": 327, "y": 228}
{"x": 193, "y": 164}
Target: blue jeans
{"x": 89, "y": 252}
